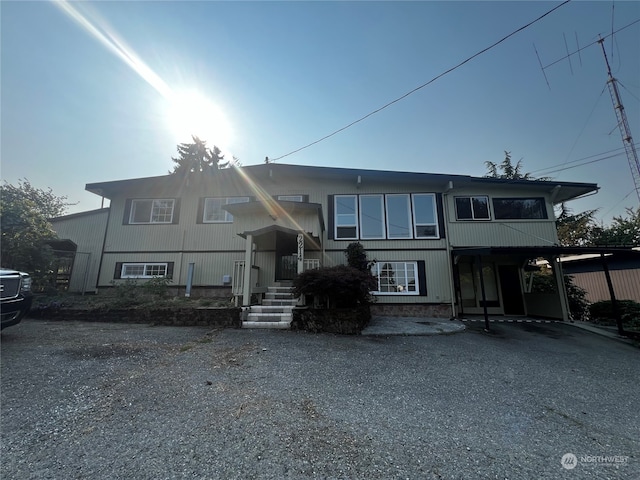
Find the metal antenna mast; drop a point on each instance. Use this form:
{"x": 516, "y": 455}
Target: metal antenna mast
{"x": 623, "y": 125}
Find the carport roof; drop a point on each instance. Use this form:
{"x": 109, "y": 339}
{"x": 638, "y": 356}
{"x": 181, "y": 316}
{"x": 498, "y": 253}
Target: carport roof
{"x": 543, "y": 251}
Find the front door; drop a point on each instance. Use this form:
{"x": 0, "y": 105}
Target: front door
{"x": 286, "y": 256}
{"x": 511, "y": 290}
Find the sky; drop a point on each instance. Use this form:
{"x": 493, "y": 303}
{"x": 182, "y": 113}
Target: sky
{"x": 101, "y": 91}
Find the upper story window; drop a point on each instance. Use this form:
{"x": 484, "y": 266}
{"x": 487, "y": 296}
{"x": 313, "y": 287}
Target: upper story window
{"x": 391, "y": 216}
{"x": 151, "y": 211}
{"x": 399, "y": 215}
{"x": 425, "y": 216}
{"x": 371, "y": 217}
{"x": 519, "y": 208}
{"x": 213, "y": 211}
{"x": 346, "y": 217}
{"x": 291, "y": 198}
{"x": 472, "y": 208}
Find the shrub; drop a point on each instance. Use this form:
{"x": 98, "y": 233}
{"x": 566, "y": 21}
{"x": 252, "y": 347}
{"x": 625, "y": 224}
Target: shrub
{"x": 602, "y": 312}
{"x": 157, "y": 286}
{"x": 341, "y": 286}
{"x": 577, "y": 296}
{"x": 357, "y": 257}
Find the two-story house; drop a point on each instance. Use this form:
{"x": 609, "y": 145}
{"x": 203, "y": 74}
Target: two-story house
{"x": 443, "y": 244}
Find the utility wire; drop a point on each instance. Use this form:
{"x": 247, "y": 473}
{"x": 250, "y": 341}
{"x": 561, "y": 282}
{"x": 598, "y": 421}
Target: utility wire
{"x": 424, "y": 84}
{"x": 617, "y": 151}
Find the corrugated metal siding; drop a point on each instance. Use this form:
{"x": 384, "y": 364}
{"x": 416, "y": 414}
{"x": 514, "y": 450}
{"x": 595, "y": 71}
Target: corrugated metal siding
{"x": 626, "y": 284}
{"x": 87, "y": 232}
{"x": 503, "y": 234}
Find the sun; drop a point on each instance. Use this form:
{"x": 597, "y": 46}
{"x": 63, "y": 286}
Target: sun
{"x": 191, "y": 113}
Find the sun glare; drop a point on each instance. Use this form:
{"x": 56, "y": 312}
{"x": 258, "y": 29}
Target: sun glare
{"x": 191, "y": 113}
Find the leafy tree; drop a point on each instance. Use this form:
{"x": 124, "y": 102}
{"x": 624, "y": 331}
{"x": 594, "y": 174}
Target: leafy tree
{"x": 622, "y": 231}
{"x": 24, "y": 214}
{"x": 197, "y": 157}
{"x": 507, "y": 170}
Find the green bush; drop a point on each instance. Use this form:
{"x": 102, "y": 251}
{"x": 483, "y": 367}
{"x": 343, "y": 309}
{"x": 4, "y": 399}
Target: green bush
{"x": 338, "y": 287}
{"x": 602, "y": 312}
{"x": 157, "y": 286}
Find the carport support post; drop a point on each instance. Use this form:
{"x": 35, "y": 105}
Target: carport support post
{"x": 484, "y": 295}
{"x": 614, "y": 302}
{"x": 246, "y": 285}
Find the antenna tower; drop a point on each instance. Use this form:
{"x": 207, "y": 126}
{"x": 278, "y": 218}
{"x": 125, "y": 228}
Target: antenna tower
{"x": 623, "y": 124}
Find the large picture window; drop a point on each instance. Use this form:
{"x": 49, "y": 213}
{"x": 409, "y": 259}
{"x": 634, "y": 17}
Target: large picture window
{"x": 396, "y": 278}
{"x": 391, "y": 216}
{"x": 472, "y": 208}
{"x": 371, "y": 216}
{"x": 151, "y": 211}
{"x": 213, "y": 211}
{"x": 519, "y": 208}
{"x": 399, "y": 216}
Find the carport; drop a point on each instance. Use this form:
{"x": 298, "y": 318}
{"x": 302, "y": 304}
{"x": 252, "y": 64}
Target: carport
{"x": 523, "y": 257}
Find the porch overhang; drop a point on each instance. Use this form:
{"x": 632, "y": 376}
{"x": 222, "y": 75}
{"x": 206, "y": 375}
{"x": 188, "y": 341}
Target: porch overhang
{"x": 261, "y": 218}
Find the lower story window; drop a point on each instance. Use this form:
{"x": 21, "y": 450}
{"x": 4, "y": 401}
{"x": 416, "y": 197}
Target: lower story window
{"x": 143, "y": 270}
{"x": 396, "y": 278}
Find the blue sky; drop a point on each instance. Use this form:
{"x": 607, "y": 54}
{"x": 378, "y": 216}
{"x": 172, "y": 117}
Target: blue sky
{"x": 279, "y": 75}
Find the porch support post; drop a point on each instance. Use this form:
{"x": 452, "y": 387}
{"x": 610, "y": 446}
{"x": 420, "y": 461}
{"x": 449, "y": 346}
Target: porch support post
{"x": 246, "y": 282}
{"x": 612, "y": 293}
{"x": 562, "y": 289}
{"x": 484, "y": 295}
{"x": 300, "y": 241}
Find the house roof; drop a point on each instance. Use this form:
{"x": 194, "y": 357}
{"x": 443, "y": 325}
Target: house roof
{"x": 560, "y": 191}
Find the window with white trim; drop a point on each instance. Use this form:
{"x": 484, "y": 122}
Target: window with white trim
{"x": 290, "y": 198}
{"x": 472, "y": 208}
{"x": 425, "y": 217}
{"x": 398, "y": 216}
{"x": 151, "y": 211}
{"x": 346, "y": 216}
{"x": 143, "y": 270}
{"x": 396, "y": 278}
{"x": 213, "y": 211}
{"x": 390, "y": 216}
{"x": 372, "y": 217}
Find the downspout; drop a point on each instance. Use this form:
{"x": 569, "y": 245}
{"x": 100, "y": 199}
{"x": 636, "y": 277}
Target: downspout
{"x": 445, "y": 206}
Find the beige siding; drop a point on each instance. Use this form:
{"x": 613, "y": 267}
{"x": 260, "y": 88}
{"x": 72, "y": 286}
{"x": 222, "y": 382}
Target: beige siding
{"x": 502, "y": 234}
{"x": 499, "y": 233}
{"x": 87, "y": 232}
{"x": 626, "y": 284}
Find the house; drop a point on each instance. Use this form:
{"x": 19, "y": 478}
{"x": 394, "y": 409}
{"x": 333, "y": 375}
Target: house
{"x": 444, "y": 245}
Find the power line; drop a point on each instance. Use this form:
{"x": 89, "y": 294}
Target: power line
{"x": 618, "y": 151}
{"x": 424, "y": 84}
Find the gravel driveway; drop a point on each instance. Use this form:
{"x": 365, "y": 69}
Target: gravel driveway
{"x": 111, "y": 401}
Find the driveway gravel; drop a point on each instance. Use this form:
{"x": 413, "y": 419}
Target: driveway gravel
{"x": 109, "y": 401}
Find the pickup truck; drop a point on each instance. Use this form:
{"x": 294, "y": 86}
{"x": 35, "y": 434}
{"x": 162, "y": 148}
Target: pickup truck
{"x": 15, "y": 296}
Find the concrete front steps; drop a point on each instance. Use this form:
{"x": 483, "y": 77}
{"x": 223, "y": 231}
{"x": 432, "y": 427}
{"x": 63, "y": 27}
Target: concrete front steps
{"x": 276, "y": 310}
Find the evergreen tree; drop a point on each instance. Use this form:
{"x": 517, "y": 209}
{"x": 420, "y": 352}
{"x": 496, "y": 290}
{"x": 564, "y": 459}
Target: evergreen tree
{"x": 196, "y": 157}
